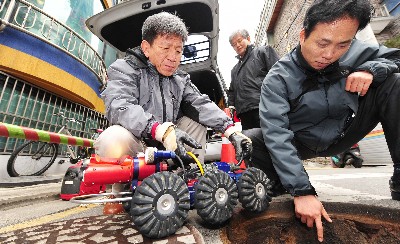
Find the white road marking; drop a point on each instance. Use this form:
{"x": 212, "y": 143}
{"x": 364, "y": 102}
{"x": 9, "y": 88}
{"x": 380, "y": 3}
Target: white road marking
{"x": 349, "y": 176}
{"x": 328, "y": 192}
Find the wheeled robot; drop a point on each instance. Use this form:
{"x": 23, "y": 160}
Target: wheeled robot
{"x": 159, "y": 196}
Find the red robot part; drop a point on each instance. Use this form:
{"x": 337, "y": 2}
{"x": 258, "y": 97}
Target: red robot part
{"x": 110, "y": 170}
{"x": 72, "y": 185}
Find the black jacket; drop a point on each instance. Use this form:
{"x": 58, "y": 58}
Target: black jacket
{"x": 247, "y": 76}
{"x": 312, "y": 107}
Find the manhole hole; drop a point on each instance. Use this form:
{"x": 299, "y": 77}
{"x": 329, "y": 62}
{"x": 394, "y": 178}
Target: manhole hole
{"x": 352, "y": 223}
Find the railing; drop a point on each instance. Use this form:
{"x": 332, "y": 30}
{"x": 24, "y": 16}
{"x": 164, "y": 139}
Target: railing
{"x": 28, "y": 18}
{"x": 380, "y": 11}
{"x": 196, "y": 52}
{"x": 20, "y": 132}
{"x": 24, "y": 104}
{"x": 2, "y": 3}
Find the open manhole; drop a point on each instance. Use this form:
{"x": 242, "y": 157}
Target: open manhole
{"x": 352, "y": 223}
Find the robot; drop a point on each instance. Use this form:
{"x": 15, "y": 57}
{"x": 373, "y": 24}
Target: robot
{"x": 159, "y": 196}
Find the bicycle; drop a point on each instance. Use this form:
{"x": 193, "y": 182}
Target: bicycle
{"x": 33, "y": 158}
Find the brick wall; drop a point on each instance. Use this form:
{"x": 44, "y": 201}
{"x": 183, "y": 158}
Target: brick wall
{"x": 290, "y": 22}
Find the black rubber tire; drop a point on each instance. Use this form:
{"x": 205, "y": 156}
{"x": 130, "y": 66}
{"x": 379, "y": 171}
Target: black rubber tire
{"x": 151, "y": 217}
{"x": 333, "y": 163}
{"x": 358, "y": 163}
{"x": 82, "y": 152}
{"x": 20, "y": 165}
{"x": 339, "y": 164}
{"x": 91, "y": 151}
{"x": 253, "y": 188}
{"x": 215, "y": 197}
{"x": 127, "y": 204}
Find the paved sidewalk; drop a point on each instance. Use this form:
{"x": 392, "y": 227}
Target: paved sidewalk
{"x": 18, "y": 189}
{"x": 20, "y": 181}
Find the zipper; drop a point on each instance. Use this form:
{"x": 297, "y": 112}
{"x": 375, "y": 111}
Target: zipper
{"x": 163, "y": 100}
{"x": 326, "y": 87}
{"x": 174, "y": 102}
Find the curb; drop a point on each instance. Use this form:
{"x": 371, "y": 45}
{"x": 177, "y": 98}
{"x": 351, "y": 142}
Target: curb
{"x": 23, "y": 190}
{"x": 23, "y": 181}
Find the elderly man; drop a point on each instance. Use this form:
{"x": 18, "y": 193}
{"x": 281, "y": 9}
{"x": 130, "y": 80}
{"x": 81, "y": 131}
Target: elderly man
{"x": 147, "y": 95}
{"x": 247, "y": 76}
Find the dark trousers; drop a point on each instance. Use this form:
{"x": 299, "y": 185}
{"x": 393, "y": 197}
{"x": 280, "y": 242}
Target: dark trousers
{"x": 250, "y": 119}
{"x": 380, "y": 104}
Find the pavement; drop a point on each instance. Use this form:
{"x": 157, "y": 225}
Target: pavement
{"x": 19, "y": 189}
{"x": 21, "y": 181}
{"x": 14, "y": 190}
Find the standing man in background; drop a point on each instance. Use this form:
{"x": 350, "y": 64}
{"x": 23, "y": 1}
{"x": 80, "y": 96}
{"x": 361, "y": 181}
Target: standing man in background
{"x": 247, "y": 76}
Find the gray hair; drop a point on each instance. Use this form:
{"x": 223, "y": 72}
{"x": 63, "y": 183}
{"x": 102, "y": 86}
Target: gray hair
{"x": 244, "y": 33}
{"x": 163, "y": 24}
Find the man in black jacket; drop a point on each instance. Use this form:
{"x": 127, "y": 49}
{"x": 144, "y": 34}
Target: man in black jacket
{"x": 324, "y": 96}
{"x": 247, "y": 76}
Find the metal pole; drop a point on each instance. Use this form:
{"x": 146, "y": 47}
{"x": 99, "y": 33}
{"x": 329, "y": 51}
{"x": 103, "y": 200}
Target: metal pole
{"x": 7, "y": 15}
{"x": 15, "y": 131}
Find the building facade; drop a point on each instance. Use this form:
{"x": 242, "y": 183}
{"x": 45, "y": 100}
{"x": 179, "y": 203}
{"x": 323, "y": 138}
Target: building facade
{"x": 49, "y": 63}
{"x": 388, "y": 12}
{"x": 281, "y": 22}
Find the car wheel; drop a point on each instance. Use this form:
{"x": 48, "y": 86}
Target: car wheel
{"x": 357, "y": 163}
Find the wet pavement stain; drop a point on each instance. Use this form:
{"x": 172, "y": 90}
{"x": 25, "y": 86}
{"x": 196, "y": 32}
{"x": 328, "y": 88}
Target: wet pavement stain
{"x": 95, "y": 229}
{"x": 352, "y": 223}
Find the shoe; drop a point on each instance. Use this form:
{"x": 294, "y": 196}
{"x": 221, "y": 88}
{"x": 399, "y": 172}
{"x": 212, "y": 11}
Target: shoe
{"x": 277, "y": 189}
{"x": 394, "y": 184}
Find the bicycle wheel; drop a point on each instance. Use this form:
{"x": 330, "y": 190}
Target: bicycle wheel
{"x": 31, "y": 159}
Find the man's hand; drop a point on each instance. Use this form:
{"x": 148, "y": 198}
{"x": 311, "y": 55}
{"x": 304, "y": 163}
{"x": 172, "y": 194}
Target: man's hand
{"x": 240, "y": 142}
{"x": 242, "y": 145}
{"x": 183, "y": 138}
{"x": 359, "y": 82}
{"x": 174, "y": 139}
{"x": 309, "y": 210}
{"x": 163, "y": 134}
